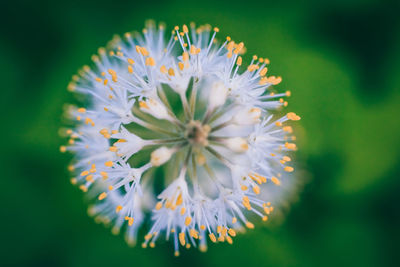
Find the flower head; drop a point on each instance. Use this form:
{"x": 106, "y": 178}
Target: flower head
{"x": 189, "y": 104}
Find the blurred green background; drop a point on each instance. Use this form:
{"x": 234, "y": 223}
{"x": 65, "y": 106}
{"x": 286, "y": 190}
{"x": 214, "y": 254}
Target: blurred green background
{"x": 340, "y": 59}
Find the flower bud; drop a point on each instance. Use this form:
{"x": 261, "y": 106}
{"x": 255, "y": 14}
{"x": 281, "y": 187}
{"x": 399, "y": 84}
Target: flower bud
{"x": 248, "y": 116}
{"x": 161, "y": 155}
{"x": 237, "y": 144}
{"x": 218, "y": 94}
{"x": 155, "y": 109}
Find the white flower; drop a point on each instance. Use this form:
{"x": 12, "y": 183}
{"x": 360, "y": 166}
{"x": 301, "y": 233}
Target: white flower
{"x": 219, "y": 144}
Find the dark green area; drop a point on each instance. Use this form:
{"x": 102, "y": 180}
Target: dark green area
{"x": 340, "y": 59}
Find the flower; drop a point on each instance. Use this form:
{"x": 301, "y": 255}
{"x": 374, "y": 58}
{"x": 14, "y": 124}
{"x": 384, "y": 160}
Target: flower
{"x": 188, "y": 104}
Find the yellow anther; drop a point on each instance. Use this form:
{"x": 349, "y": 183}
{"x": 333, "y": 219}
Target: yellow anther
{"x": 238, "y": 48}
{"x": 102, "y": 196}
{"x": 288, "y": 129}
{"x": 212, "y": 237}
{"x": 89, "y": 178}
{"x": 163, "y": 69}
{"x": 256, "y": 189}
{"x": 171, "y": 72}
{"x": 230, "y": 46}
{"x": 239, "y": 61}
{"x": 99, "y": 80}
{"x": 108, "y": 163}
{"x": 103, "y": 131}
{"x": 263, "y": 71}
{"x": 234, "y": 220}
{"x": 185, "y": 29}
{"x": 143, "y": 104}
{"x": 292, "y": 116}
{"x": 83, "y": 188}
{"x": 231, "y": 232}
{"x": 188, "y": 220}
{"x": 224, "y": 231}
{"x": 176, "y": 253}
{"x": 130, "y": 221}
{"x": 185, "y": 56}
{"x": 104, "y": 175}
{"x": 278, "y": 123}
{"x": 276, "y": 80}
{"x": 262, "y": 178}
{"x": 228, "y": 38}
{"x": 286, "y": 158}
{"x": 95, "y": 58}
{"x": 179, "y": 200}
{"x": 229, "y": 240}
{"x": 150, "y": 61}
{"x": 219, "y": 228}
{"x": 202, "y": 227}
{"x": 105, "y": 109}
{"x": 290, "y": 146}
{"x": 249, "y": 225}
{"x": 144, "y": 51}
{"x": 263, "y": 81}
{"x": 118, "y": 208}
{"x": 130, "y": 69}
{"x": 216, "y": 29}
{"x": 288, "y": 169}
{"x": 288, "y": 93}
{"x": 193, "y": 50}
{"x": 158, "y": 205}
{"x": 131, "y": 61}
{"x": 183, "y": 210}
{"x": 110, "y": 187}
{"x": 81, "y": 110}
{"x": 244, "y": 188}
{"x": 84, "y": 173}
{"x": 152, "y": 244}
{"x": 73, "y": 180}
{"x": 267, "y": 210}
{"x": 275, "y": 180}
{"x": 194, "y": 233}
{"x": 181, "y": 65}
{"x": 182, "y": 238}
{"x": 63, "y": 149}
{"x": 252, "y": 68}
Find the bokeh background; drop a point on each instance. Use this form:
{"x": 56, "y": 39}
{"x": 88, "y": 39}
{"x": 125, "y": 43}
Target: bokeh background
{"x": 340, "y": 59}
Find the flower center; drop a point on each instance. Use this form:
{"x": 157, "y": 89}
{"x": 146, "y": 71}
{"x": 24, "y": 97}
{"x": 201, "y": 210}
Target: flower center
{"x": 196, "y": 133}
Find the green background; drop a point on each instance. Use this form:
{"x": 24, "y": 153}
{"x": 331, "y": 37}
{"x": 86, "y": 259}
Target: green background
{"x": 340, "y": 59}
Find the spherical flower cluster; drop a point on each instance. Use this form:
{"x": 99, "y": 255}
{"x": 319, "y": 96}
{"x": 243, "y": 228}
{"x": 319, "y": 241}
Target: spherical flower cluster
{"x": 186, "y": 105}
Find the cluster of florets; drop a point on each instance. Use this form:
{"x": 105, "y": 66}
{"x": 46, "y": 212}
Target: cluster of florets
{"x": 186, "y": 104}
